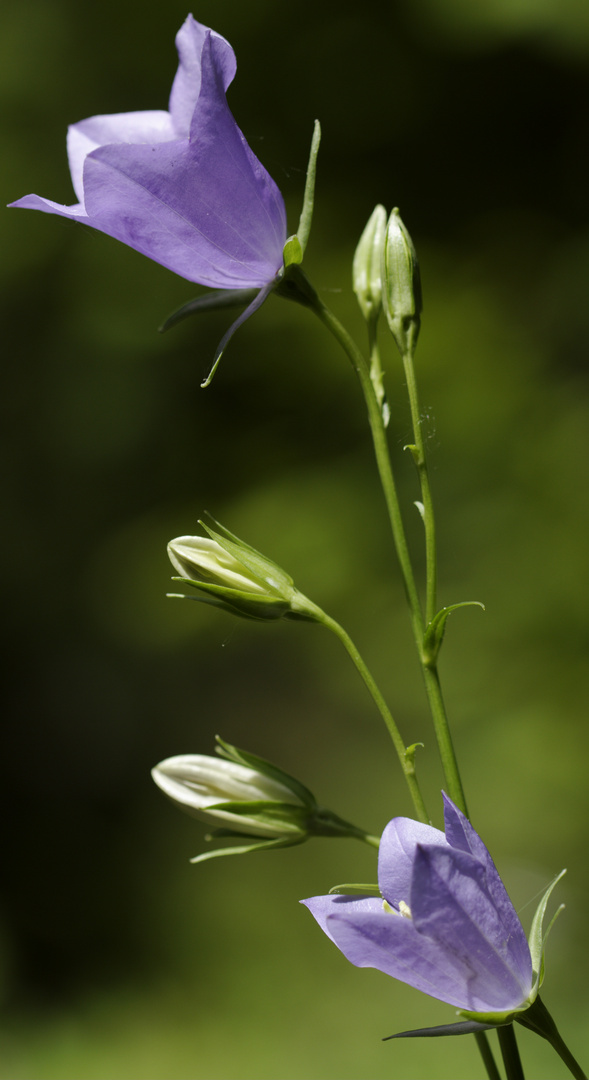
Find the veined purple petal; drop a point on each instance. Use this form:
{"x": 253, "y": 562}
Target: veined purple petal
{"x": 451, "y": 905}
{"x": 447, "y": 926}
{"x": 323, "y": 907}
{"x": 135, "y": 127}
{"x": 389, "y": 942}
{"x": 190, "y": 40}
{"x": 396, "y": 855}
{"x": 181, "y": 187}
{"x": 461, "y": 836}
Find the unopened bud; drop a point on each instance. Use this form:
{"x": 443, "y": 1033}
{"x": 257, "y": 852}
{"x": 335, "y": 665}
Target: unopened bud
{"x": 228, "y": 573}
{"x": 249, "y": 798}
{"x": 401, "y": 285}
{"x": 367, "y": 265}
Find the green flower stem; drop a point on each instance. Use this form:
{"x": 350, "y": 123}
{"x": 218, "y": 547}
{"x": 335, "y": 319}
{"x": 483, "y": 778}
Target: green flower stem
{"x": 405, "y": 754}
{"x": 509, "y": 1049}
{"x": 436, "y": 702}
{"x": 487, "y": 1055}
{"x": 538, "y": 1019}
{"x": 426, "y": 496}
{"x": 432, "y": 682}
{"x": 383, "y": 461}
{"x": 444, "y": 737}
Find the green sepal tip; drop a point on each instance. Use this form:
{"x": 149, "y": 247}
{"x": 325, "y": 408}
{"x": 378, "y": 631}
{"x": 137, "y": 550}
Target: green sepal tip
{"x": 434, "y": 633}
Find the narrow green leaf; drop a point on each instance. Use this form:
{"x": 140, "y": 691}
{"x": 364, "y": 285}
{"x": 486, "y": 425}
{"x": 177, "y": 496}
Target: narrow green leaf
{"x": 244, "y": 849}
{"x": 537, "y": 939}
{"x": 309, "y": 197}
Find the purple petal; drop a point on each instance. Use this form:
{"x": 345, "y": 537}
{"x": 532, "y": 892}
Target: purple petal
{"x": 244, "y": 198}
{"x": 322, "y": 907}
{"x": 390, "y": 943}
{"x": 135, "y": 127}
{"x": 461, "y": 836}
{"x": 37, "y": 202}
{"x": 186, "y": 87}
{"x": 206, "y": 209}
{"x": 451, "y": 905}
{"x": 397, "y": 853}
{"x": 202, "y": 205}
{"x": 163, "y": 201}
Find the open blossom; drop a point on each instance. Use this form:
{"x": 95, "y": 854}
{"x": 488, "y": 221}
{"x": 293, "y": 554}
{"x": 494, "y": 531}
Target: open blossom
{"x": 183, "y": 186}
{"x": 443, "y": 923}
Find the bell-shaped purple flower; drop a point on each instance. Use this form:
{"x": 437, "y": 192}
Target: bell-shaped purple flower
{"x": 444, "y": 922}
{"x": 183, "y": 186}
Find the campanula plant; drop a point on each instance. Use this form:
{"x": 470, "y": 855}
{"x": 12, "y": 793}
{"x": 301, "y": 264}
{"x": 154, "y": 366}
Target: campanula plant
{"x": 183, "y": 188}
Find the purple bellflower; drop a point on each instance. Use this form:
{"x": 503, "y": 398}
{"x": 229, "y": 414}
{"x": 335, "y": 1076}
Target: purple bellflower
{"x": 443, "y": 923}
{"x": 183, "y": 186}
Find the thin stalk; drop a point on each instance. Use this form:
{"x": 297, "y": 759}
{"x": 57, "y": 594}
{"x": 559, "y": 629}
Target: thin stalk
{"x": 432, "y": 684}
{"x": 510, "y": 1052}
{"x": 405, "y": 754}
{"x": 426, "y": 495}
{"x": 383, "y": 462}
{"x": 487, "y": 1055}
{"x": 444, "y": 737}
{"x": 430, "y": 673}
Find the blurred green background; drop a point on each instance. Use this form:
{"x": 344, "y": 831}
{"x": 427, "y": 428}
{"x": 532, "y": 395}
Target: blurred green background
{"x": 119, "y": 959}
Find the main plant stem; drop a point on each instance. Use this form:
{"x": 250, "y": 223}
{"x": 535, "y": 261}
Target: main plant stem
{"x": 418, "y": 450}
{"x": 432, "y": 684}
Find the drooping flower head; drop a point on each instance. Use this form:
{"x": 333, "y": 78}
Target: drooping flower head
{"x": 443, "y": 922}
{"x": 183, "y": 186}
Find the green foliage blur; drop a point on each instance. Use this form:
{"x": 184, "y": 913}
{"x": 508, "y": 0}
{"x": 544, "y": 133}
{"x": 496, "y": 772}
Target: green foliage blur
{"x": 118, "y": 959}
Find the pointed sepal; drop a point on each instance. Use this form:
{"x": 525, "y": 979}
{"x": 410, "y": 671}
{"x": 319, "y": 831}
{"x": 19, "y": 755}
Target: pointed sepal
{"x": 463, "y": 1027}
{"x": 435, "y": 630}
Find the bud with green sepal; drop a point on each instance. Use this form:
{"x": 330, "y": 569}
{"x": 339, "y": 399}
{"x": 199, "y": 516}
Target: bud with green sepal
{"x": 367, "y": 283}
{"x": 367, "y": 264}
{"x": 401, "y": 298}
{"x": 249, "y": 798}
{"x": 228, "y": 573}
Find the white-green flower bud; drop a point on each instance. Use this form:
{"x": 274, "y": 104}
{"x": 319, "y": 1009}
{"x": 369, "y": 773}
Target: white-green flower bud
{"x": 401, "y": 298}
{"x": 230, "y": 574}
{"x": 220, "y": 791}
{"x": 249, "y": 798}
{"x": 367, "y": 265}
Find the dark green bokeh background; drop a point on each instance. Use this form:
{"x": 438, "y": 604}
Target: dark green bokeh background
{"x": 119, "y": 959}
